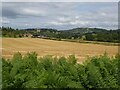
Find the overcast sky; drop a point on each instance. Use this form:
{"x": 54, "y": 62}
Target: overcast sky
{"x": 60, "y": 15}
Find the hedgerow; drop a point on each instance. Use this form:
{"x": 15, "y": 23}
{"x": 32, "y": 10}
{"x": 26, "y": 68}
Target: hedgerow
{"x": 47, "y": 72}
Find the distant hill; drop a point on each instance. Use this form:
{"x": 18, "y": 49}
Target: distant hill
{"x": 90, "y": 34}
{"x": 74, "y": 30}
{"x": 85, "y": 30}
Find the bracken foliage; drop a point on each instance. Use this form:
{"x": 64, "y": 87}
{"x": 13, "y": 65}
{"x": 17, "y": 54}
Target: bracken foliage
{"x": 47, "y": 72}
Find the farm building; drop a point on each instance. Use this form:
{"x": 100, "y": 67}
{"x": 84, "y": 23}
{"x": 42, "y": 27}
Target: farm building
{"x": 38, "y": 36}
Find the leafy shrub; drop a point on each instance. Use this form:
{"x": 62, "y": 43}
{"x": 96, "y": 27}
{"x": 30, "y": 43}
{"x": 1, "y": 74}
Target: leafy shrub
{"x": 31, "y": 72}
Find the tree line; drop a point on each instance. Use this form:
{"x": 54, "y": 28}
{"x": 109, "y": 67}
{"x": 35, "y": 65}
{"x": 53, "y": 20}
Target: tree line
{"x": 90, "y": 34}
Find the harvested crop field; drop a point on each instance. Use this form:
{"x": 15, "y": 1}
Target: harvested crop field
{"x": 55, "y": 48}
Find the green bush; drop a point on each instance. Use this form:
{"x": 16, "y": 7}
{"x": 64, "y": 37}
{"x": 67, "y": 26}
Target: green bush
{"x": 31, "y": 72}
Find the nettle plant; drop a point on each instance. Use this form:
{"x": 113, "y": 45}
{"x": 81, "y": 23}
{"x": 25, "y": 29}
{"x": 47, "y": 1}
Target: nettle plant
{"x": 28, "y": 71}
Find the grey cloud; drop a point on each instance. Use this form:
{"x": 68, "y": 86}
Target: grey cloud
{"x": 9, "y": 13}
{"x": 61, "y": 15}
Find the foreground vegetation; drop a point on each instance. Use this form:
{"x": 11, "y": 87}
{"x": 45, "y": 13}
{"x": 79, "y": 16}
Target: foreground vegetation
{"x": 47, "y": 72}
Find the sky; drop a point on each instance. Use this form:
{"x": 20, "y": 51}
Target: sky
{"x": 60, "y": 15}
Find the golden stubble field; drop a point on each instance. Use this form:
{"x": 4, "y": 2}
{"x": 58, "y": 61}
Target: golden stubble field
{"x": 55, "y": 48}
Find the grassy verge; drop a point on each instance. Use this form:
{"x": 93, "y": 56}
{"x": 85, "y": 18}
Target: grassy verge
{"x": 87, "y": 42}
{"x": 92, "y": 42}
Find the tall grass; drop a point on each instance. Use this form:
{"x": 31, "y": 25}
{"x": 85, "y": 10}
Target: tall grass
{"x": 31, "y": 72}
